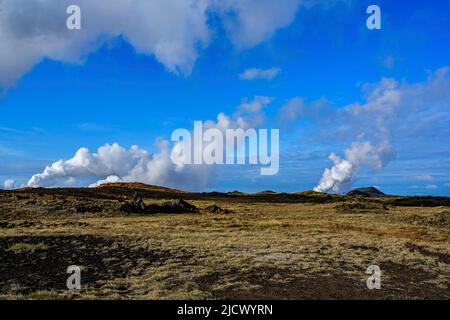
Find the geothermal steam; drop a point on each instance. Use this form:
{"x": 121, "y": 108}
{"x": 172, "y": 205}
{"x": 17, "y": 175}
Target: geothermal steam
{"x": 344, "y": 171}
{"x": 370, "y": 121}
{"x": 114, "y": 163}
{"x": 408, "y": 111}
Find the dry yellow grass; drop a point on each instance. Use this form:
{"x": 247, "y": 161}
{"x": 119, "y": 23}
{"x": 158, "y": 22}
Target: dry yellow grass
{"x": 261, "y": 250}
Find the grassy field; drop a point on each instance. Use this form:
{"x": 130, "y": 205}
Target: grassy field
{"x": 260, "y": 250}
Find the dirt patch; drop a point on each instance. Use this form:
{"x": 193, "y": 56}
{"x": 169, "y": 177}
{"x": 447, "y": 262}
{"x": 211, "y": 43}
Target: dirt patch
{"x": 270, "y": 283}
{"x": 410, "y": 283}
{"x": 443, "y": 257}
{"x": 29, "y": 271}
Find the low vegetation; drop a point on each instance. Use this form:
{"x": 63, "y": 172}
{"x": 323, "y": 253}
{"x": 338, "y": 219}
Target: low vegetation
{"x": 234, "y": 246}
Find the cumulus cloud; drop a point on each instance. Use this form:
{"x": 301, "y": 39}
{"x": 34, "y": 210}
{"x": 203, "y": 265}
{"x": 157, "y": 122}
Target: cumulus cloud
{"x": 31, "y": 30}
{"x": 255, "y": 73}
{"x": 256, "y": 105}
{"x": 249, "y": 114}
{"x": 173, "y": 31}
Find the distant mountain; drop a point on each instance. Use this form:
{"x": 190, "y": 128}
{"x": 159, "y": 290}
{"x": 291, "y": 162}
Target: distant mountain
{"x": 366, "y": 192}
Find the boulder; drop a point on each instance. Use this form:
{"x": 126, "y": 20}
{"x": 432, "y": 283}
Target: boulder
{"x": 216, "y": 209}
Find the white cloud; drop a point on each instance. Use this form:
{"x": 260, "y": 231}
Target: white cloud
{"x": 256, "y": 105}
{"x": 431, "y": 187}
{"x": 344, "y": 171}
{"x": 290, "y": 111}
{"x": 173, "y": 31}
{"x": 114, "y": 163}
{"x": 407, "y": 110}
{"x": 31, "y": 30}
{"x": 9, "y": 184}
{"x": 249, "y": 22}
{"x": 255, "y": 73}
{"x": 249, "y": 114}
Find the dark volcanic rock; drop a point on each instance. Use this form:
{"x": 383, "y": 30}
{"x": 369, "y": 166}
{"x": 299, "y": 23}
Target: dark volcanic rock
{"x": 366, "y": 192}
{"x": 135, "y": 206}
{"x": 177, "y": 206}
{"x": 88, "y": 209}
{"x": 216, "y": 209}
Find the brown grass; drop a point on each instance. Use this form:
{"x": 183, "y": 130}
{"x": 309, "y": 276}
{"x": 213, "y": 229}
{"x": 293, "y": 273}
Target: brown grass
{"x": 260, "y": 250}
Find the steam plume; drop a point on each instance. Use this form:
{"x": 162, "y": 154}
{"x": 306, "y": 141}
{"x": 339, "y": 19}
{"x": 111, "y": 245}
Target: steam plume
{"x": 345, "y": 170}
{"x": 407, "y": 111}
{"x": 114, "y": 163}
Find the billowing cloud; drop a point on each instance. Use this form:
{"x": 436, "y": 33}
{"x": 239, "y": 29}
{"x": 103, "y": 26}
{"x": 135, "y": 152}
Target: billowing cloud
{"x": 344, "y": 171}
{"x": 255, "y": 73}
{"x": 31, "y": 30}
{"x": 173, "y": 31}
{"x": 114, "y": 163}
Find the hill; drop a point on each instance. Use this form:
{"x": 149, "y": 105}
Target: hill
{"x": 366, "y": 192}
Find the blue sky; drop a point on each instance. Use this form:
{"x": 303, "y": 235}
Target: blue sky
{"x": 120, "y": 93}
